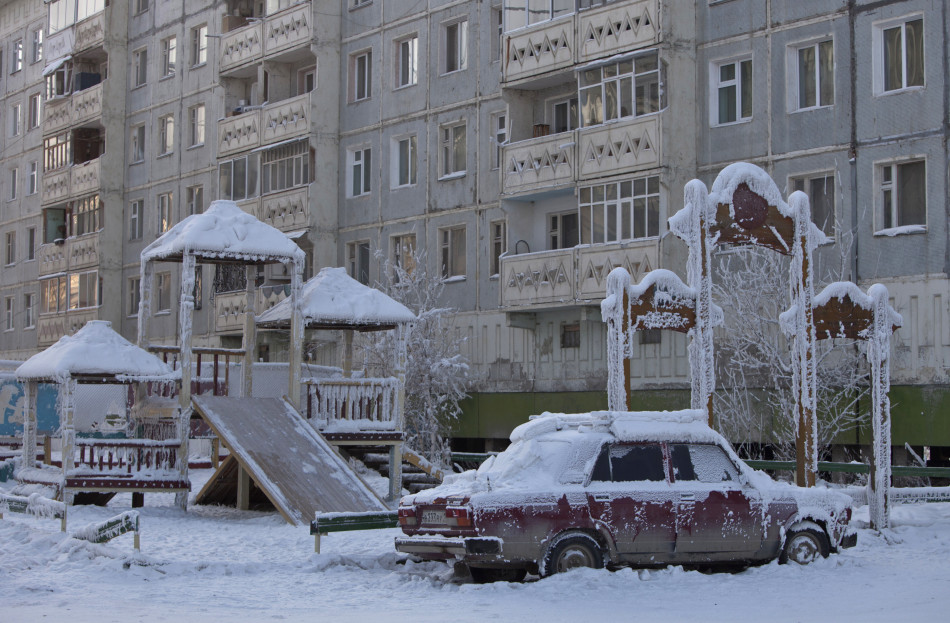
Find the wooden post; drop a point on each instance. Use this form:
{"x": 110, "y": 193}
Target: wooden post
{"x": 215, "y": 450}
{"x": 250, "y": 333}
{"x": 346, "y": 357}
{"x": 296, "y": 331}
{"x": 879, "y": 346}
{"x": 28, "y": 459}
{"x": 69, "y": 436}
{"x": 138, "y": 499}
{"x": 185, "y": 316}
{"x": 806, "y": 466}
{"x": 395, "y": 471}
{"x": 145, "y": 302}
{"x": 243, "y": 489}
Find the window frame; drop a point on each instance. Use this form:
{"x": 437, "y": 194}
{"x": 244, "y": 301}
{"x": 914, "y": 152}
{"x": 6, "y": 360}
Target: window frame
{"x": 16, "y": 119}
{"x": 806, "y": 180}
{"x": 359, "y": 163}
{"x": 166, "y": 135}
{"x": 14, "y": 183}
{"x": 499, "y": 137}
{"x": 449, "y": 154}
{"x": 9, "y": 313}
{"x": 29, "y": 310}
{"x": 136, "y": 219}
{"x": 139, "y": 67}
{"x": 16, "y": 56}
{"x": 454, "y": 51}
{"x": 356, "y": 252}
{"x": 163, "y": 290}
{"x": 408, "y": 60}
{"x": 717, "y": 84}
{"x": 199, "y": 45}
{"x": 139, "y": 7}
{"x": 881, "y": 187}
{"x": 285, "y": 166}
{"x": 410, "y": 156}
{"x": 164, "y": 210}
{"x": 795, "y": 72}
{"x": 197, "y": 127}
{"x": 137, "y": 143}
{"x": 617, "y": 206}
{"x": 252, "y": 171}
{"x": 194, "y": 198}
{"x": 135, "y": 296}
{"x": 33, "y": 178}
{"x": 30, "y": 244}
{"x": 498, "y": 232}
{"x": 36, "y": 46}
{"x": 9, "y": 248}
{"x": 169, "y": 56}
{"x": 618, "y": 82}
{"x": 879, "y": 49}
{"x": 81, "y": 293}
{"x": 403, "y": 248}
{"x": 452, "y": 262}
{"x": 361, "y": 86}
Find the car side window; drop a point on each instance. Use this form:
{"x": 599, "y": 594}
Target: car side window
{"x": 636, "y": 462}
{"x": 601, "y": 471}
{"x": 702, "y": 462}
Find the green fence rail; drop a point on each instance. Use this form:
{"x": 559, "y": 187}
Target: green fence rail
{"x": 855, "y": 468}
{"x": 325, "y": 523}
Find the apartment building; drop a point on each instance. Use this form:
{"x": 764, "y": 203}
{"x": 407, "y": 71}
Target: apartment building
{"x": 527, "y": 146}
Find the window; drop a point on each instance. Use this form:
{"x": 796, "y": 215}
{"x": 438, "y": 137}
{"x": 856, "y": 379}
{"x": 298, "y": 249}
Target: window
{"x": 85, "y": 215}
{"x": 452, "y": 251}
{"x": 166, "y": 134}
{"x": 16, "y": 120}
{"x": 139, "y": 7}
{"x": 31, "y": 243}
{"x": 903, "y": 194}
{"x": 404, "y": 252}
{"x": 54, "y": 225}
{"x": 32, "y": 184}
{"x": 521, "y": 13}
{"x": 357, "y": 259}
{"x": 499, "y": 128}
{"x": 620, "y": 210}
{"x": 497, "y": 39}
{"x": 196, "y": 125}
{"x": 499, "y": 244}
{"x": 36, "y": 52}
{"x": 564, "y": 115}
{"x": 237, "y": 179}
{"x": 163, "y": 292}
{"x": 452, "y": 149}
{"x": 629, "y": 88}
{"x": 10, "y": 248}
{"x": 14, "y": 176}
{"x": 407, "y": 54}
{"x": 306, "y": 80}
{"x": 455, "y": 45}
{"x": 169, "y": 56}
{"x": 816, "y": 75}
{"x": 563, "y": 231}
{"x": 16, "y": 57}
{"x": 355, "y": 4}
{"x": 138, "y": 143}
{"x": 732, "y": 99}
{"x": 404, "y": 161}
{"x": 136, "y": 209}
{"x": 29, "y": 310}
{"x": 650, "y": 336}
{"x": 361, "y": 76}
{"x": 899, "y": 52}
{"x": 53, "y": 297}
{"x": 8, "y": 314}
{"x": 198, "y": 287}
{"x": 820, "y": 189}
{"x": 625, "y": 463}
{"x": 359, "y": 171}
{"x": 33, "y": 115}
{"x": 84, "y": 290}
{"x": 135, "y": 295}
{"x": 139, "y": 67}
{"x": 164, "y": 212}
{"x": 194, "y": 196}
{"x": 702, "y": 463}
{"x": 199, "y": 45}
{"x": 57, "y": 151}
{"x": 571, "y": 335}
{"x": 286, "y": 166}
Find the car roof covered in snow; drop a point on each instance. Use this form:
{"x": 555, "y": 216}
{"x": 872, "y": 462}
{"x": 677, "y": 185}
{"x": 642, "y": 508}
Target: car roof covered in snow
{"x": 683, "y": 425}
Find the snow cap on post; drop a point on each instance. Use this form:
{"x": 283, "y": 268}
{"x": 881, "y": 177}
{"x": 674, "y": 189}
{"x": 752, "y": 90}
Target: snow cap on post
{"x": 224, "y": 232}
{"x": 94, "y": 350}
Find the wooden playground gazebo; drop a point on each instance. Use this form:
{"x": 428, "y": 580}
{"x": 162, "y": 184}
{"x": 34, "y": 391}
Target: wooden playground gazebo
{"x": 98, "y": 355}
{"x": 352, "y": 409}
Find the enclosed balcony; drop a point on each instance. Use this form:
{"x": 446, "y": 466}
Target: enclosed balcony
{"x": 566, "y": 277}
{"x": 535, "y": 53}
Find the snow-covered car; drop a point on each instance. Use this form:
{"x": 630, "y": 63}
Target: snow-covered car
{"x": 618, "y": 488}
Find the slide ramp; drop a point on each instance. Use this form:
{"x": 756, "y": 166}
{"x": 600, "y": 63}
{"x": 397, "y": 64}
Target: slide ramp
{"x": 295, "y": 467}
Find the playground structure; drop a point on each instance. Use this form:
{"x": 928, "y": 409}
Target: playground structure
{"x": 745, "y": 207}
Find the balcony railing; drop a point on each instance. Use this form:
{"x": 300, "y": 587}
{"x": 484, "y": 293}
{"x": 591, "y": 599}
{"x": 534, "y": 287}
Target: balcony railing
{"x": 239, "y": 133}
{"x": 559, "y": 160}
{"x": 57, "y": 114}
{"x": 274, "y": 35}
{"x": 73, "y": 181}
{"x": 265, "y": 125}
{"x": 580, "y": 38}
{"x": 51, "y": 327}
{"x": 52, "y": 259}
{"x": 287, "y": 210}
{"x": 87, "y": 104}
{"x": 539, "y": 164}
{"x": 348, "y": 405}
{"x": 55, "y": 186}
{"x": 82, "y": 251}
{"x": 229, "y": 311}
{"x": 571, "y": 276}
{"x": 89, "y": 33}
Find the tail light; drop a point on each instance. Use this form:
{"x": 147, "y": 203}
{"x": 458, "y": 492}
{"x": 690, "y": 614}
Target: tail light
{"x": 460, "y": 516}
{"x": 407, "y": 516}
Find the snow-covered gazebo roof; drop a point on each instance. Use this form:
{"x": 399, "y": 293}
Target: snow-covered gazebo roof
{"x": 334, "y": 300}
{"x": 224, "y": 233}
{"x": 95, "y": 353}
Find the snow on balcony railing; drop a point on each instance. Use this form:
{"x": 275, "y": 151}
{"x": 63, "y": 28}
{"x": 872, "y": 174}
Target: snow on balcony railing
{"x": 347, "y": 405}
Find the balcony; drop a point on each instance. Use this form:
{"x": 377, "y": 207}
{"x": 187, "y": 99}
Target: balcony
{"x": 539, "y": 164}
{"x": 57, "y": 114}
{"x": 616, "y": 148}
{"x": 229, "y": 311}
{"x": 89, "y": 33}
{"x": 52, "y": 258}
{"x": 51, "y": 327}
{"x": 534, "y": 53}
{"x": 566, "y": 277}
{"x": 288, "y": 210}
{"x": 87, "y": 105}
{"x": 286, "y": 30}
{"x": 82, "y": 251}
{"x": 266, "y": 125}
{"x": 73, "y": 181}
{"x": 55, "y": 186}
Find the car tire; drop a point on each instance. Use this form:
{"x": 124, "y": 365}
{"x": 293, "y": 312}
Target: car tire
{"x": 481, "y": 575}
{"x": 573, "y": 550}
{"x": 804, "y": 543}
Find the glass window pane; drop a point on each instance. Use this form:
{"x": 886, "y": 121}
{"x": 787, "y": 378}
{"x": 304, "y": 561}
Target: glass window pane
{"x": 893, "y": 60}
{"x": 806, "y": 77}
{"x": 911, "y": 197}
{"x": 592, "y": 112}
{"x": 914, "y": 33}
{"x": 611, "y": 103}
{"x": 826, "y": 72}
{"x": 727, "y": 104}
{"x": 644, "y": 462}
{"x": 653, "y": 216}
{"x": 746, "y": 84}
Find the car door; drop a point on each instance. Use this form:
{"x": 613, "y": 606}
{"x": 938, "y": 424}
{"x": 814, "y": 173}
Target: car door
{"x": 715, "y": 513}
{"x": 630, "y": 495}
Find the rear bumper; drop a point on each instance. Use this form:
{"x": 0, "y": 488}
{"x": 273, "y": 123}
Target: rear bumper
{"x": 848, "y": 540}
{"x": 444, "y": 548}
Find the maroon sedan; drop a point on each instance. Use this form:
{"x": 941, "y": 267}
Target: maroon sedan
{"x": 611, "y": 489}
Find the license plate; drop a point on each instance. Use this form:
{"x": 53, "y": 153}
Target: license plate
{"x": 433, "y": 517}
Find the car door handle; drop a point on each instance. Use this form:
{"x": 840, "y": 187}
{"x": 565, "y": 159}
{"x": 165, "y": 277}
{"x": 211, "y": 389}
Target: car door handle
{"x": 601, "y": 497}
{"x": 687, "y": 497}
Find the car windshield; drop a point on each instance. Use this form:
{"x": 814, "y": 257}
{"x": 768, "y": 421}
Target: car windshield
{"x": 525, "y": 464}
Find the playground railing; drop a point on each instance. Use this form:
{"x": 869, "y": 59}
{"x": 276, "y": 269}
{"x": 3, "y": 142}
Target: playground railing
{"x": 125, "y": 457}
{"x": 353, "y": 405}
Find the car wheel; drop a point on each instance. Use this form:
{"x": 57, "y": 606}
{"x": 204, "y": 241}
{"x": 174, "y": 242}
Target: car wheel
{"x": 573, "y": 551}
{"x": 805, "y": 544}
{"x": 481, "y": 575}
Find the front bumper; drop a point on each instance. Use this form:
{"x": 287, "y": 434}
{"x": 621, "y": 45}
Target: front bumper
{"x": 443, "y": 548}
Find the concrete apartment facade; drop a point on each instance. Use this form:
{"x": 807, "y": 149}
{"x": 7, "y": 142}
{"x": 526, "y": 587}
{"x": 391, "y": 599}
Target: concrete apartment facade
{"x": 527, "y": 146}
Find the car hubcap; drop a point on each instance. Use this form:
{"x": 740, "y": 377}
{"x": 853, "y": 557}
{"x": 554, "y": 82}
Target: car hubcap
{"x": 803, "y": 549}
{"x": 575, "y": 557}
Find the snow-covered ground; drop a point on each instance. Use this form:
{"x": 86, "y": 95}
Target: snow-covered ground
{"x": 214, "y": 563}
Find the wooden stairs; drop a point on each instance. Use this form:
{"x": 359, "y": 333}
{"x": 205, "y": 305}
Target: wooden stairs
{"x": 417, "y": 473}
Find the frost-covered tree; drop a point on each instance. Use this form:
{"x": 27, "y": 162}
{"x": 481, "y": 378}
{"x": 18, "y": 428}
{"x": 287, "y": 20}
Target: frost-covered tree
{"x": 755, "y": 401}
{"x": 436, "y": 370}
